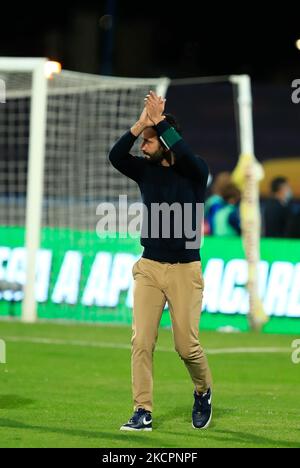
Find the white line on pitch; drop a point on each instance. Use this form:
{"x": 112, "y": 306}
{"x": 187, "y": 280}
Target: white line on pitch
{"x": 103, "y": 344}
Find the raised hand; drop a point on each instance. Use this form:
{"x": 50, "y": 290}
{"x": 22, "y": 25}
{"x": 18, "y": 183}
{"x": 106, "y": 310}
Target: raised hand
{"x": 143, "y": 122}
{"x": 151, "y": 114}
{"x": 155, "y": 106}
{"x": 144, "y": 118}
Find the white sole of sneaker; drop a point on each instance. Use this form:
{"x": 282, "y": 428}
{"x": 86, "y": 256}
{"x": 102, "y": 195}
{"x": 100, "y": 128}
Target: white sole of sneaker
{"x": 206, "y": 425}
{"x": 146, "y": 429}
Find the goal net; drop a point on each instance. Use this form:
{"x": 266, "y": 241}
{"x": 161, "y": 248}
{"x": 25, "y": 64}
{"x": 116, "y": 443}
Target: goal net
{"x": 55, "y": 136}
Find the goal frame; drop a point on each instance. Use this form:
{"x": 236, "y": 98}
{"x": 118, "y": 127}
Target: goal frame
{"x": 36, "y": 159}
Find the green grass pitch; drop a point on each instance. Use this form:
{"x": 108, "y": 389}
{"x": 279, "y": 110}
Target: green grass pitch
{"x": 69, "y": 386}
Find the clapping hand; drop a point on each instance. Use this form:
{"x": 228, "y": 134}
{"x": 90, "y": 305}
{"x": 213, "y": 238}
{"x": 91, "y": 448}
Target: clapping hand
{"x": 155, "y": 106}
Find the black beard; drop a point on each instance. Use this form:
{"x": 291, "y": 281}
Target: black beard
{"x": 156, "y": 158}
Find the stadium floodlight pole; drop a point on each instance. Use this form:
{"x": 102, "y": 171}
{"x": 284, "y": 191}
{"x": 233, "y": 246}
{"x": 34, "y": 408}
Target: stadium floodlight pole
{"x": 247, "y": 175}
{"x": 38, "y": 107}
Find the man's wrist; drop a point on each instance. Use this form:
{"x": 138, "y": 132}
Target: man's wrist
{"x": 138, "y": 128}
{"x": 157, "y": 120}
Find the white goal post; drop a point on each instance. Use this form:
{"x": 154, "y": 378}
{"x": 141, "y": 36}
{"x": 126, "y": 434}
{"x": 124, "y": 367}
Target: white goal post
{"x": 36, "y": 156}
{"x": 247, "y": 175}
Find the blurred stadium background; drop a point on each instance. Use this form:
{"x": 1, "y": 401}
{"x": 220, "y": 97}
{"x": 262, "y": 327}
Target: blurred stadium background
{"x": 82, "y": 279}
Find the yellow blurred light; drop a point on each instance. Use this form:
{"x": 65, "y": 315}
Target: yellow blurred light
{"x": 298, "y": 44}
{"x": 51, "y": 68}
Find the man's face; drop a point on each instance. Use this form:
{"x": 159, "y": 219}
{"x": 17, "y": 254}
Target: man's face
{"x": 151, "y": 146}
{"x": 286, "y": 192}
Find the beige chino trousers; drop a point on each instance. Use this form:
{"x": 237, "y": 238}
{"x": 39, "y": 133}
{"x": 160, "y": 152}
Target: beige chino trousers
{"x": 181, "y": 284}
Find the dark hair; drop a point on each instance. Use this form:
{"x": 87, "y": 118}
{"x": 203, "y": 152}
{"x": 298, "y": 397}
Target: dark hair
{"x": 277, "y": 183}
{"x": 231, "y": 191}
{"x": 171, "y": 119}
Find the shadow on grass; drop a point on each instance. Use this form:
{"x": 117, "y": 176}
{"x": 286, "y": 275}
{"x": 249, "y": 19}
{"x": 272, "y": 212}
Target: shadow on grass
{"x": 14, "y": 401}
{"x": 213, "y": 434}
{"x": 257, "y": 440}
{"x": 114, "y": 435}
{"x": 232, "y": 438}
{"x": 185, "y": 415}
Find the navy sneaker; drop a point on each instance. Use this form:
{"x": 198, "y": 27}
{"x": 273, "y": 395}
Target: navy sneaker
{"x": 202, "y": 410}
{"x": 140, "y": 421}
